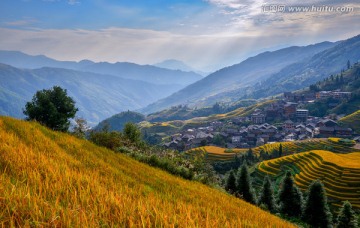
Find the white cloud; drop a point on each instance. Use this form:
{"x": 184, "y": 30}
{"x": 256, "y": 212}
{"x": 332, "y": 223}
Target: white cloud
{"x": 222, "y": 35}
{"x": 148, "y": 46}
{"x": 73, "y": 2}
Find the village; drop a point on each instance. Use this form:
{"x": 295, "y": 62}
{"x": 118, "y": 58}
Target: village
{"x": 280, "y": 121}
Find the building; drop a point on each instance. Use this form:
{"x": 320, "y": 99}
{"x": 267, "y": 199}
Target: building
{"x": 290, "y": 110}
{"x": 236, "y": 141}
{"x": 302, "y": 114}
{"x": 289, "y": 125}
{"x": 336, "y": 131}
{"x": 334, "y": 94}
{"x": 323, "y": 94}
{"x": 258, "y": 118}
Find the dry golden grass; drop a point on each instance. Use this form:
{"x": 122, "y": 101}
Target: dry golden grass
{"x": 53, "y": 179}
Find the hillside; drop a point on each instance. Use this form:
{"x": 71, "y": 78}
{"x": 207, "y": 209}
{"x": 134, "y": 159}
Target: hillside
{"x": 97, "y": 96}
{"x": 147, "y": 73}
{"x": 352, "y": 120}
{"x": 118, "y": 121}
{"x": 309, "y": 71}
{"x": 339, "y": 173}
{"x": 346, "y": 81}
{"x": 53, "y": 179}
{"x": 239, "y": 76}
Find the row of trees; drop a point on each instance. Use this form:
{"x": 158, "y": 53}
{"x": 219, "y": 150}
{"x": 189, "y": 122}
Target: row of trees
{"x": 314, "y": 210}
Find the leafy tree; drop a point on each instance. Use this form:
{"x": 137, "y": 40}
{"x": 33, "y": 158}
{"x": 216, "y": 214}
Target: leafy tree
{"x": 52, "y": 108}
{"x": 317, "y": 213}
{"x": 290, "y": 197}
{"x": 132, "y": 132}
{"x": 219, "y": 140}
{"x": 230, "y": 185}
{"x": 109, "y": 139}
{"x": 243, "y": 185}
{"x": 347, "y": 217}
{"x": 267, "y": 195}
{"x": 203, "y": 142}
{"x": 80, "y": 128}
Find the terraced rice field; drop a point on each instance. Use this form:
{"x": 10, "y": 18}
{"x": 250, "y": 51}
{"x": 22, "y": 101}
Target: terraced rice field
{"x": 216, "y": 154}
{"x": 340, "y": 173}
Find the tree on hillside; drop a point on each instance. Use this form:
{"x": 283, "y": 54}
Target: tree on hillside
{"x": 317, "y": 213}
{"x": 52, "y": 108}
{"x": 290, "y": 197}
{"x": 80, "y": 128}
{"x": 348, "y": 64}
{"x": 267, "y": 195}
{"x": 243, "y": 185}
{"x": 132, "y": 132}
{"x": 219, "y": 140}
{"x": 347, "y": 217}
{"x": 280, "y": 150}
{"x": 250, "y": 155}
{"x": 230, "y": 185}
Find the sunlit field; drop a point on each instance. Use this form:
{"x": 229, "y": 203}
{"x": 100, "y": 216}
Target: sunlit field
{"x": 53, "y": 179}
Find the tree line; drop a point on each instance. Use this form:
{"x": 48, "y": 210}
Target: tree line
{"x": 290, "y": 203}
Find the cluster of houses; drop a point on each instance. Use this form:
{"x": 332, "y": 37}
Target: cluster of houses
{"x": 290, "y": 124}
{"x": 312, "y": 96}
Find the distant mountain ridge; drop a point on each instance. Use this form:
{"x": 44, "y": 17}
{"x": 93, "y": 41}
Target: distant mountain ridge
{"x": 311, "y": 70}
{"x": 238, "y": 77}
{"x": 147, "y": 73}
{"x": 174, "y": 64}
{"x": 97, "y": 96}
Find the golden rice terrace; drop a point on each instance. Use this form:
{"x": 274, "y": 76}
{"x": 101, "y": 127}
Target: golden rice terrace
{"x": 340, "y": 173}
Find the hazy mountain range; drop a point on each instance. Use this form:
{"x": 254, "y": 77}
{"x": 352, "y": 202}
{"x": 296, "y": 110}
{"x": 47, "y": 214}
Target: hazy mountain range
{"x": 99, "y": 89}
{"x": 104, "y": 89}
{"x": 97, "y": 96}
{"x": 247, "y": 73}
{"x": 174, "y": 64}
{"x": 147, "y": 73}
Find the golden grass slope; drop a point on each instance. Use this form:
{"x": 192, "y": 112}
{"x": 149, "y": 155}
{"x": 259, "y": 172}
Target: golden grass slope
{"x": 352, "y": 121}
{"x": 53, "y": 179}
{"x": 340, "y": 173}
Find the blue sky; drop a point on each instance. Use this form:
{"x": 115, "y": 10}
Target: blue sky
{"x": 207, "y": 34}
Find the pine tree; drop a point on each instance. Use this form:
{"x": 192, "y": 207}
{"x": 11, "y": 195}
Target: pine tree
{"x": 348, "y": 64}
{"x": 243, "y": 185}
{"x": 230, "y": 185}
{"x": 347, "y": 217}
{"x": 290, "y": 197}
{"x": 280, "y": 150}
{"x": 250, "y": 155}
{"x": 317, "y": 213}
{"x": 267, "y": 195}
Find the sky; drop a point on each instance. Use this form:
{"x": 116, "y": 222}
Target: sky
{"x": 205, "y": 34}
